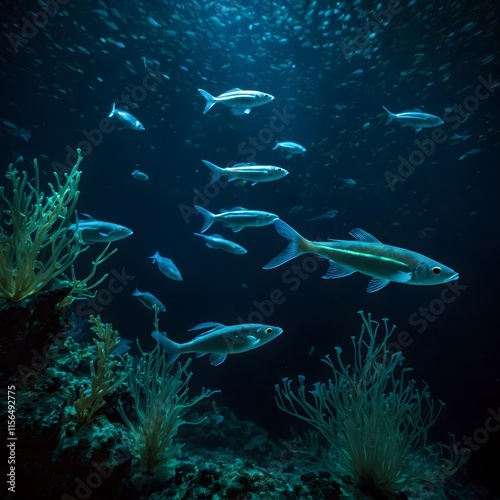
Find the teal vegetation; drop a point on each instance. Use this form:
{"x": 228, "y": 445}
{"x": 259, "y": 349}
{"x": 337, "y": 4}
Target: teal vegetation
{"x": 36, "y": 248}
{"x": 374, "y": 420}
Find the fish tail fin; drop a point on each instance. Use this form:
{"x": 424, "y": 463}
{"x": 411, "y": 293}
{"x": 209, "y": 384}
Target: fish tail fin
{"x": 208, "y": 217}
{"x": 169, "y": 346}
{"x": 390, "y": 116}
{"x": 217, "y": 172}
{"x": 209, "y": 98}
{"x": 277, "y": 144}
{"x": 112, "y": 110}
{"x": 297, "y": 245}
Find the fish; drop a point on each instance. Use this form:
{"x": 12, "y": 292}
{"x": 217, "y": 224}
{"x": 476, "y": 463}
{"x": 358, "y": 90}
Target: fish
{"x": 240, "y": 101}
{"x": 474, "y": 151}
{"x": 149, "y": 300}
{"x": 347, "y": 182}
{"x": 126, "y": 120}
{"x": 140, "y": 176}
{"x": 166, "y": 266}
{"x": 461, "y": 137}
{"x": 329, "y": 214}
{"x": 292, "y": 147}
{"x": 366, "y": 255}
{"x": 236, "y": 218}
{"x": 17, "y": 131}
{"x": 220, "y": 340}
{"x": 219, "y": 243}
{"x": 246, "y": 171}
{"x": 416, "y": 119}
{"x": 98, "y": 231}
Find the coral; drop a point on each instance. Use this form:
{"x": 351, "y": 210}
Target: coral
{"x": 374, "y": 419}
{"x": 35, "y": 244}
{"x": 161, "y": 400}
{"x": 102, "y": 373}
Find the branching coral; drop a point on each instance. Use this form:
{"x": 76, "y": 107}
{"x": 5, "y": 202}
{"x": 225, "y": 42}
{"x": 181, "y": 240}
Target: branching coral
{"x": 161, "y": 401}
{"x": 374, "y": 419}
{"x": 102, "y": 372}
{"x": 35, "y": 244}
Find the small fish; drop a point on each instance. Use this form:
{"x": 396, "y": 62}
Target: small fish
{"x": 416, "y": 119}
{"x": 330, "y": 214}
{"x": 348, "y": 182}
{"x": 98, "y": 231}
{"x": 240, "y": 101}
{"x": 125, "y": 119}
{"x": 153, "y": 22}
{"x": 236, "y": 218}
{"x": 292, "y": 147}
{"x": 149, "y": 300}
{"x": 461, "y": 137}
{"x": 220, "y": 340}
{"x": 167, "y": 267}
{"x": 246, "y": 171}
{"x": 366, "y": 255}
{"x": 141, "y": 176}
{"x": 219, "y": 243}
{"x": 17, "y": 131}
{"x": 471, "y": 152}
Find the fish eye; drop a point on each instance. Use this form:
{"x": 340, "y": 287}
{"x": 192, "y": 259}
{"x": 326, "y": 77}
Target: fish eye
{"x": 269, "y": 330}
{"x": 436, "y": 270}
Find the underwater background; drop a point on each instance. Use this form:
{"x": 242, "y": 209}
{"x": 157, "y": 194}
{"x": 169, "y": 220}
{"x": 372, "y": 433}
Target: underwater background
{"x": 329, "y": 79}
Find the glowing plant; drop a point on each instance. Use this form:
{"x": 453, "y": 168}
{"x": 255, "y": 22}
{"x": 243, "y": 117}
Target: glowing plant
{"x": 374, "y": 419}
{"x": 35, "y": 244}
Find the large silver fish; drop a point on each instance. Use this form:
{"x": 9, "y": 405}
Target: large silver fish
{"x": 240, "y": 101}
{"x": 416, "y": 119}
{"x": 236, "y": 218}
{"x": 367, "y": 255}
{"x": 98, "y": 231}
{"x": 247, "y": 172}
{"x": 220, "y": 340}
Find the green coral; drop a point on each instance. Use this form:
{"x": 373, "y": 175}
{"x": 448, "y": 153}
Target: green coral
{"x": 35, "y": 244}
{"x": 161, "y": 401}
{"x": 372, "y": 416}
{"x": 102, "y": 372}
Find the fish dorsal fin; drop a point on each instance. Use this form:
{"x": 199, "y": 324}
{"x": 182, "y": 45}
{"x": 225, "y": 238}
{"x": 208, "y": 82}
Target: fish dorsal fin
{"x": 236, "y": 89}
{"x": 235, "y": 209}
{"x": 418, "y": 110}
{"x": 217, "y": 359}
{"x": 89, "y": 217}
{"x": 208, "y": 324}
{"x": 361, "y": 235}
{"x": 376, "y": 284}
{"x": 245, "y": 164}
{"x": 216, "y": 236}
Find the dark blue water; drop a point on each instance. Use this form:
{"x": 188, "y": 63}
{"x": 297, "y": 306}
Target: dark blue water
{"x": 60, "y": 83}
